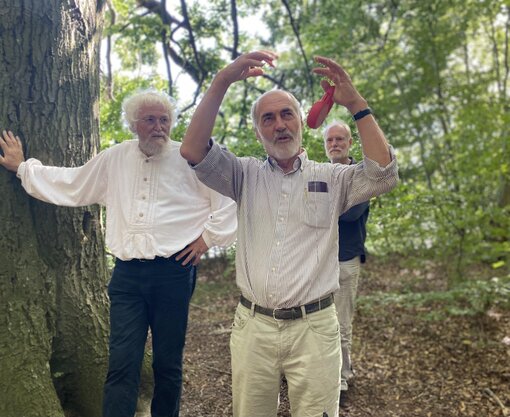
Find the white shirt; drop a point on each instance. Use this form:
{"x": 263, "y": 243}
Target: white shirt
{"x": 287, "y": 246}
{"x": 155, "y": 206}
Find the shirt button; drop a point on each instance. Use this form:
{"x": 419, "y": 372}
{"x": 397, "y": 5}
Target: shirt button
{"x": 277, "y": 243}
{"x": 147, "y": 160}
{"x": 143, "y": 197}
{"x": 284, "y": 195}
{"x": 281, "y": 219}
{"x": 273, "y": 269}
{"x": 145, "y": 179}
{"x": 141, "y": 214}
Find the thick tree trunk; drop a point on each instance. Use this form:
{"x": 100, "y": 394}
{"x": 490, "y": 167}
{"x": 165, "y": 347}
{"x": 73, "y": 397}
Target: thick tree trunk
{"x": 53, "y": 304}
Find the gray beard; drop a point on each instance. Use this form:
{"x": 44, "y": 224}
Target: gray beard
{"x": 286, "y": 152}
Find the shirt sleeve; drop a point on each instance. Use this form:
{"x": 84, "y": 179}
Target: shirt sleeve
{"x": 222, "y": 171}
{"x": 360, "y": 182}
{"x": 72, "y": 187}
{"x": 221, "y": 227}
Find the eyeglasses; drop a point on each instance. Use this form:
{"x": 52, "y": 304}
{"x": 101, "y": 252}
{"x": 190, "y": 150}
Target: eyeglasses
{"x": 152, "y": 120}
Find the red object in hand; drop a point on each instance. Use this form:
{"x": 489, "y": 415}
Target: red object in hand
{"x": 320, "y": 109}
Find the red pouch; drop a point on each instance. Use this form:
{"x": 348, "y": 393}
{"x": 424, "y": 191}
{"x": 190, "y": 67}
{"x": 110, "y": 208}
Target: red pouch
{"x": 320, "y": 109}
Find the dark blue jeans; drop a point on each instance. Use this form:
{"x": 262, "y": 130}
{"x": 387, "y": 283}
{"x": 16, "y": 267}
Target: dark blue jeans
{"x": 145, "y": 294}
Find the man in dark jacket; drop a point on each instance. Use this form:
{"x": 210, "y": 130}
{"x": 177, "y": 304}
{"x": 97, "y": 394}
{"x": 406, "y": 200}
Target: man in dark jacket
{"x": 351, "y": 254}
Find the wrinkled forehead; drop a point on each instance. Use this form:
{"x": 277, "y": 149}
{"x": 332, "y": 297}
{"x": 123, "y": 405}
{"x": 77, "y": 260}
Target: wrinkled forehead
{"x": 275, "y": 101}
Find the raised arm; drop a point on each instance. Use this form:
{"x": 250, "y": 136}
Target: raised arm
{"x": 372, "y": 138}
{"x": 195, "y": 143}
{"x": 12, "y": 150}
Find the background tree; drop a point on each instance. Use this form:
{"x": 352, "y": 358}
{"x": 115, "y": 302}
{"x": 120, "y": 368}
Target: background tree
{"x": 436, "y": 74}
{"x": 53, "y": 331}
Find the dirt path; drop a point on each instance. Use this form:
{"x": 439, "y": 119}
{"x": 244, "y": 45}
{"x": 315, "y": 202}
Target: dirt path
{"x": 410, "y": 360}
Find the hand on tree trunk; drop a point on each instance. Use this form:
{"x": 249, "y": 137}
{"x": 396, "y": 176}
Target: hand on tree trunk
{"x": 12, "y": 150}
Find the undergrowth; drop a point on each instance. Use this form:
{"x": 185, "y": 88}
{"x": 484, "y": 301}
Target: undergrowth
{"x": 467, "y": 299}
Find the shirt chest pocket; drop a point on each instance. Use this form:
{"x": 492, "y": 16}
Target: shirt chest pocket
{"x": 317, "y": 204}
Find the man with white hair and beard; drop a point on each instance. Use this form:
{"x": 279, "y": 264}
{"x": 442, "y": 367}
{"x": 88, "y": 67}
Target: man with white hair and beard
{"x": 287, "y": 241}
{"x": 159, "y": 221}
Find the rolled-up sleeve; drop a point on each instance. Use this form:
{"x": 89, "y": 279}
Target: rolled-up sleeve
{"x": 363, "y": 181}
{"x": 221, "y": 171}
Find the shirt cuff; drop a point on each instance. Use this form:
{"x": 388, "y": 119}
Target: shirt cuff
{"x": 207, "y": 239}
{"x": 211, "y": 159}
{"x": 21, "y": 170}
{"x": 374, "y": 170}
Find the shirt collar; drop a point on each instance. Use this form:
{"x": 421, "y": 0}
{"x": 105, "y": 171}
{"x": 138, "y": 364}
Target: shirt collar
{"x": 299, "y": 163}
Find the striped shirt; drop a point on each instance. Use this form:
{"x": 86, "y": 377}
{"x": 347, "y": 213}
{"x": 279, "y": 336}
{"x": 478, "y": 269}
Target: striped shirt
{"x": 287, "y": 238}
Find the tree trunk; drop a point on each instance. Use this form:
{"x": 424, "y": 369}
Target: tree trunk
{"x": 53, "y": 275}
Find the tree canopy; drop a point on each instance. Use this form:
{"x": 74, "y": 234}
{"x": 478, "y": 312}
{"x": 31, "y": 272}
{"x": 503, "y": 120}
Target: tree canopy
{"x": 434, "y": 72}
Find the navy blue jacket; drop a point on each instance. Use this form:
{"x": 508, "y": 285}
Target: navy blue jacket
{"x": 352, "y": 231}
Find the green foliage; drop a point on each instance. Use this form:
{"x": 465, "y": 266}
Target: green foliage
{"x": 136, "y": 46}
{"x": 434, "y": 72}
{"x": 468, "y": 299}
{"x": 135, "y": 35}
{"x": 425, "y": 70}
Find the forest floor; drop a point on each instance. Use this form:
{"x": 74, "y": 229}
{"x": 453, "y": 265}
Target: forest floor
{"x": 416, "y": 352}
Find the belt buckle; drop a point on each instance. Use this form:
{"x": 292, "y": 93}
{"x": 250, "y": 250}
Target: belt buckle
{"x": 274, "y": 312}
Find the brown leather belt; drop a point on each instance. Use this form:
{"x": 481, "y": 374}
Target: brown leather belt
{"x": 289, "y": 313}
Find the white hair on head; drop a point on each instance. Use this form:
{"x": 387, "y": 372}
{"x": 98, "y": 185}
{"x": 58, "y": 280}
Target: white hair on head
{"x": 131, "y": 106}
{"x": 254, "y": 106}
{"x": 334, "y": 123}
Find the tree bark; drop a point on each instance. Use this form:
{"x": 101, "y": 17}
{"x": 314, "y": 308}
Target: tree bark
{"x": 53, "y": 275}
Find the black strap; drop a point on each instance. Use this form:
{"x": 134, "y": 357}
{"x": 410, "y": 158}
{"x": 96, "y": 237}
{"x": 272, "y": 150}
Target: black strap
{"x": 289, "y": 313}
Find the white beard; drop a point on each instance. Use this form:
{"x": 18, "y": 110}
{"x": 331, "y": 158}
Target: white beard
{"x": 283, "y": 151}
{"x": 152, "y": 147}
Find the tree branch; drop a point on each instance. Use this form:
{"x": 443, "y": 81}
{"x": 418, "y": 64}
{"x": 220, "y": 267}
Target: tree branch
{"x": 191, "y": 36}
{"x": 394, "y": 9}
{"x": 159, "y": 8}
{"x": 235, "y": 29}
{"x": 109, "y": 47}
{"x": 167, "y": 61}
{"x": 184, "y": 64}
{"x": 298, "y": 37}
{"x": 506, "y": 53}
{"x": 196, "y": 72}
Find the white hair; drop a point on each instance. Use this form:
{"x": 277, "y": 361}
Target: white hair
{"x": 334, "y": 123}
{"x": 131, "y": 106}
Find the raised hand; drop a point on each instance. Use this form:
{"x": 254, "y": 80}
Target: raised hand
{"x": 345, "y": 93}
{"x": 247, "y": 65}
{"x": 195, "y": 143}
{"x": 12, "y": 150}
